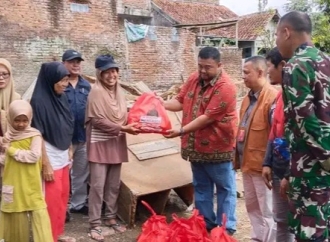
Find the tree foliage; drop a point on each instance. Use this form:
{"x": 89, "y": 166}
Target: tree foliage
{"x": 299, "y": 5}
{"x": 324, "y": 6}
{"x": 319, "y": 11}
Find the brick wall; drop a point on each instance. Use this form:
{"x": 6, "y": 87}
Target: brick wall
{"x": 232, "y": 63}
{"x": 161, "y": 62}
{"x": 37, "y": 31}
{"x": 231, "y": 59}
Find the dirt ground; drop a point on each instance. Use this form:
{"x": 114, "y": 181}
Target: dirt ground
{"x": 78, "y": 226}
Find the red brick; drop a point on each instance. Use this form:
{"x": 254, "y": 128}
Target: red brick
{"x": 36, "y": 31}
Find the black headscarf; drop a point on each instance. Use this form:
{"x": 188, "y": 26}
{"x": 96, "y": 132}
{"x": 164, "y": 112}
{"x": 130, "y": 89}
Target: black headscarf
{"x": 51, "y": 112}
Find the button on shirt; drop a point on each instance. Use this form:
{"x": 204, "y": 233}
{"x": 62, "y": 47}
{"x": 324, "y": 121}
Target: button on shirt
{"x": 77, "y": 98}
{"x": 217, "y": 100}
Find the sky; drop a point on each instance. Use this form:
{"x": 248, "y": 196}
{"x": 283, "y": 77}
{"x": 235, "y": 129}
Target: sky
{"x": 242, "y": 7}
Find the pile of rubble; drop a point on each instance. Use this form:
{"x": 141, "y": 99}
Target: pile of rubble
{"x": 134, "y": 90}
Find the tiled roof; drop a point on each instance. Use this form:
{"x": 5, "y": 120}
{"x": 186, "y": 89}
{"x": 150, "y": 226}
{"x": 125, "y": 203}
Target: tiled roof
{"x": 249, "y": 26}
{"x": 194, "y": 12}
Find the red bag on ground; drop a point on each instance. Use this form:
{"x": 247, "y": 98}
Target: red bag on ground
{"x": 155, "y": 229}
{"x": 192, "y": 229}
{"x": 219, "y": 234}
{"x": 150, "y": 115}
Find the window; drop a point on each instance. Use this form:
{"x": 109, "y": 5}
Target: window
{"x": 79, "y": 8}
{"x": 247, "y": 52}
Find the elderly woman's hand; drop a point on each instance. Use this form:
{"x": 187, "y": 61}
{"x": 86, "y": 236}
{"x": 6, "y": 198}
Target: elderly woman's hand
{"x": 129, "y": 128}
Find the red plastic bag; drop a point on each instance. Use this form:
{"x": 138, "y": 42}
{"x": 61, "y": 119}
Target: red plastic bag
{"x": 150, "y": 115}
{"x": 192, "y": 229}
{"x": 219, "y": 234}
{"x": 155, "y": 229}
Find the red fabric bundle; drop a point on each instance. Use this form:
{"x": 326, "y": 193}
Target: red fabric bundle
{"x": 192, "y": 229}
{"x": 155, "y": 229}
{"x": 219, "y": 234}
{"x": 150, "y": 115}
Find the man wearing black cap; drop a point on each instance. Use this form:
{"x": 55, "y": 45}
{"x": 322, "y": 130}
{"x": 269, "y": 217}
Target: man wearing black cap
{"x": 77, "y": 93}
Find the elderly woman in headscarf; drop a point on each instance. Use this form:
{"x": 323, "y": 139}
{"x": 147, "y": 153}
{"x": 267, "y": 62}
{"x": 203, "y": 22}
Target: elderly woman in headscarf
{"x": 53, "y": 118}
{"x": 106, "y": 125}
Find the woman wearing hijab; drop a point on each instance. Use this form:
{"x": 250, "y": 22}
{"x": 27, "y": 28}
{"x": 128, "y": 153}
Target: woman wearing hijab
{"x": 52, "y": 117}
{"x": 106, "y": 118}
{"x": 7, "y": 95}
{"x": 23, "y": 205}
{"x": 7, "y": 92}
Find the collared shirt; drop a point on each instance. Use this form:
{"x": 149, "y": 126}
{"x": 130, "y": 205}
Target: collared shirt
{"x": 246, "y": 118}
{"x": 306, "y": 108}
{"x": 77, "y": 98}
{"x": 217, "y": 100}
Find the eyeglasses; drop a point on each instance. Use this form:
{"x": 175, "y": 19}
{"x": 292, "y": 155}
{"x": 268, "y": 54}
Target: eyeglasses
{"x": 5, "y": 75}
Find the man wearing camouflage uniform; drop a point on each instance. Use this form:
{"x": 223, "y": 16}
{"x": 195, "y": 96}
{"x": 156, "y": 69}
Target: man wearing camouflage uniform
{"x": 306, "y": 84}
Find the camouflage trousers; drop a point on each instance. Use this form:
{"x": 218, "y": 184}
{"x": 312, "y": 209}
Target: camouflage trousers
{"x": 309, "y": 208}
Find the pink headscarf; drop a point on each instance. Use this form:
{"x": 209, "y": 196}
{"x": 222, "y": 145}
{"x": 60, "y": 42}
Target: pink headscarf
{"x": 17, "y": 108}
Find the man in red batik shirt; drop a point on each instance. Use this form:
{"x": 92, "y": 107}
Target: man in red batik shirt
{"x": 209, "y": 123}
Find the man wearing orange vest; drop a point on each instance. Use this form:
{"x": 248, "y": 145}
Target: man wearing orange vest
{"x": 252, "y": 137}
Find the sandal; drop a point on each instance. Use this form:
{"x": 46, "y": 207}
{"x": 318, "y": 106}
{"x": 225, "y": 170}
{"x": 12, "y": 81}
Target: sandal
{"x": 64, "y": 238}
{"x": 116, "y": 227}
{"x": 96, "y": 231}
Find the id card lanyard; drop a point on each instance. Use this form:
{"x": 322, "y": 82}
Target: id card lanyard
{"x": 242, "y": 128}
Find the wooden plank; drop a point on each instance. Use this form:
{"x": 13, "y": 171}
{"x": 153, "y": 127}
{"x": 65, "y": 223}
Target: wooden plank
{"x": 152, "y": 146}
{"x": 127, "y": 202}
{"x": 152, "y": 175}
{"x": 142, "y": 87}
{"x": 153, "y": 149}
{"x": 155, "y": 154}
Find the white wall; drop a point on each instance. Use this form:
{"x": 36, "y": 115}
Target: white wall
{"x": 268, "y": 38}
